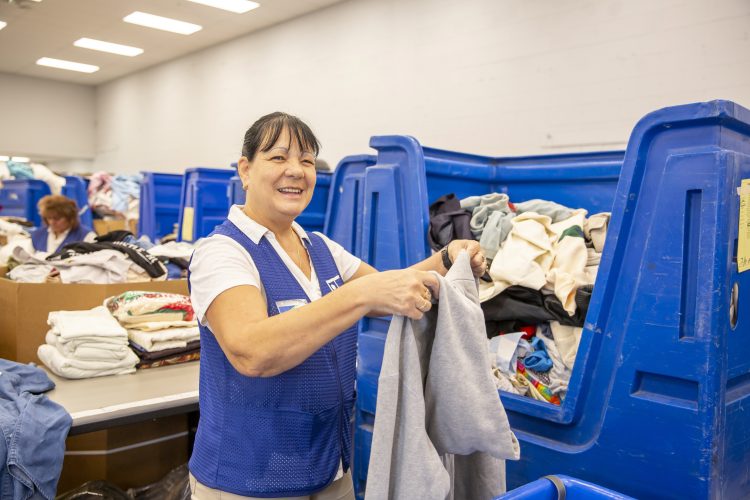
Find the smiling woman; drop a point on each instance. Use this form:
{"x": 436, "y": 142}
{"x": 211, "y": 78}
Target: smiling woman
{"x": 278, "y": 309}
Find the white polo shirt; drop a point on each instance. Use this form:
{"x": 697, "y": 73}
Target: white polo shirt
{"x": 220, "y": 263}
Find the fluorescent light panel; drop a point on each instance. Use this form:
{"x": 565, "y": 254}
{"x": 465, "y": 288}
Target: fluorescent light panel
{"x": 161, "y": 23}
{"x": 69, "y": 65}
{"x": 4, "y": 158}
{"x": 20, "y": 159}
{"x": 237, "y": 6}
{"x": 3, "y": 24}
{"x": 113, "y": 48}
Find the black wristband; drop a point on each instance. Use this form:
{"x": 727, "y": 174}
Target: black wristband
{"x": 446, "y": 258}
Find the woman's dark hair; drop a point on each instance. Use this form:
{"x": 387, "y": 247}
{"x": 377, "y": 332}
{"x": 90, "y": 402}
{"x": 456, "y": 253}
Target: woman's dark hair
{"x": 264, "y": 133}
{"x": 59, "y": 206}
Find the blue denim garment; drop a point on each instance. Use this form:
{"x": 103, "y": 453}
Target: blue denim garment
{"x": 34, "y": 431}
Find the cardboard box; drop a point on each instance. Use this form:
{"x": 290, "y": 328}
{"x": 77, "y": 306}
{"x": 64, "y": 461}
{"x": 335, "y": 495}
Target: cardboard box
{"x": 24, "y": 308}
{"x": 129, "y": 456}
{"x": 104, "y": 226}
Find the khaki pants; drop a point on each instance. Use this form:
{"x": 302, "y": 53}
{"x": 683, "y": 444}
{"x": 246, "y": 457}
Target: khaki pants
{"x": 343, "y": 489}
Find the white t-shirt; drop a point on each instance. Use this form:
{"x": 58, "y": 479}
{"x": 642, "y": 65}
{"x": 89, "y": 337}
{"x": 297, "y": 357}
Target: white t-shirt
{"x": 220, "y": 263}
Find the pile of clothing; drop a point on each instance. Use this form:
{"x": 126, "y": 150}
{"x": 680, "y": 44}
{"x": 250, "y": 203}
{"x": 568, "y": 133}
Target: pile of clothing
{"x": 161, "y": 327}
{"x": 23, "y": 170}
{"x": 86, "y": 344}
{"x": 13, "y": 234}
{"x": 104, "y": 261}
{"x": 175, "y": 256}
{"x": 115, "y": 196}
{"x": 543, "y": 258}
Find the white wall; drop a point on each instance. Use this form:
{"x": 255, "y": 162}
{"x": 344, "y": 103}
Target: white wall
{"x": 45, "y": 119}
{"x": 500, "y": 77}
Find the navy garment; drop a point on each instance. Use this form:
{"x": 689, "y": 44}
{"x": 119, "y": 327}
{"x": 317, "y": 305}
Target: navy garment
{"x": 283, "y": 435}
{"x": 34, "y": 429}
{"x": 39, "y": 237}
{"x": 448, "y": 222}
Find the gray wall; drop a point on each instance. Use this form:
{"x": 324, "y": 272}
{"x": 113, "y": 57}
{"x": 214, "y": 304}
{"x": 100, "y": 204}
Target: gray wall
{"x": 46, "y": 119}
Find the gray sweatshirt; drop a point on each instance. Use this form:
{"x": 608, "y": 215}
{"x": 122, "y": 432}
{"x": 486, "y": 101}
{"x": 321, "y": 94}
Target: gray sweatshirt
{"x": 440, "y": 429}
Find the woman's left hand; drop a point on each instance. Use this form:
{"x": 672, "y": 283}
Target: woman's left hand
{"x": 478, "y": 262}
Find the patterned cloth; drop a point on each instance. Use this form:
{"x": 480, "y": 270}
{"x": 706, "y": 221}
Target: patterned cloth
{"x": 134, "y": 307}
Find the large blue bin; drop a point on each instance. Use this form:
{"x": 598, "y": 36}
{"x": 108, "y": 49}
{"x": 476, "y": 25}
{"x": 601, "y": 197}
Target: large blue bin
{"x": 159, "y": 208}
{"x": 575, "y": 489}
{"x": 19, "y": 198}
{"x": 75, "y": 188}
{"x": 658, "y": 403}
{"x": 343, "y": 224}
{"x": 204, "y": 203}
{"x": 314, "y": 216}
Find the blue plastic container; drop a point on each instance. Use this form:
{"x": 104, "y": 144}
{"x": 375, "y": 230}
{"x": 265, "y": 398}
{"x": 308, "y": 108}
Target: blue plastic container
{"x": 314, "y": 216}
{"x": 75, "y": 188}
{"x": 204, "y": 203}
{"x": 658, "y": 403}
{"x": 575, "y": 489}
{"x": 159, "y": 208}
{"x": 19, "y": 198}
{"x": 343, "y": 224}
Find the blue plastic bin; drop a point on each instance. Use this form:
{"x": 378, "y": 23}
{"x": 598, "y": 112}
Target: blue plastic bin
{"x": 19, "y": 198}
{"x": 75, "y": 188}
{"x": 314, "y": 216}
{"x": 204, "y": 203}
{"x": 658, "y": 403}
{"x": 575, "y": 489}
{"x": 159, "y": 208}
{"x": 347, "y": 190}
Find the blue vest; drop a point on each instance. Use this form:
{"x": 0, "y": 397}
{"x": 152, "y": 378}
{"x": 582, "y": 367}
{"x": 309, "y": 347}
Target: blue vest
{"x": 39, "y": 237}
{"x": 276, "y": 436}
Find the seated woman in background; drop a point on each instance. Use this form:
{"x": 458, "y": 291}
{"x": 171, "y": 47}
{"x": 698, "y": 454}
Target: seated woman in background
{"x": 61, "y": 225}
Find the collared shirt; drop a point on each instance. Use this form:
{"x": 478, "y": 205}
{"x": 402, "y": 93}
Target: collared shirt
{"x": 54, "y": 241}
{"x": 220, "y": 263}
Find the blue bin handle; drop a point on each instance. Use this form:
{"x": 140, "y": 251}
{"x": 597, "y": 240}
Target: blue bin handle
{"x": 559, "y": 486}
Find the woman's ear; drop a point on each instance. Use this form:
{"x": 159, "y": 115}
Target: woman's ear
{"x": 243, "y": 170}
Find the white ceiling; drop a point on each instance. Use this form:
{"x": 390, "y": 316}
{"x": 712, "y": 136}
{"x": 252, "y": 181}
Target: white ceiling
{"x": 49, "y": 28}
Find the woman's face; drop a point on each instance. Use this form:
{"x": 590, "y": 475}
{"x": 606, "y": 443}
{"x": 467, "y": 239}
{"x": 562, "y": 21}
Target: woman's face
{"x": 56, "y": 222}
{"x": 280, "y": 181}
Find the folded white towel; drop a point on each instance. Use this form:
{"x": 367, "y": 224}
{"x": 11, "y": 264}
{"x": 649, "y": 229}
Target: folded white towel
{"x": 91, "y": 351}
{"x": 97, "y": 322}
{"x": 169, "y": 338}
{"x": 151, "y": 326}
{"x": 61, "y": 366}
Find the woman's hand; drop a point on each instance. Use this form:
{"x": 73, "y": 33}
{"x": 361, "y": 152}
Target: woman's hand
{"x": 476, "y": 256}
{"x": 406, "y": 292}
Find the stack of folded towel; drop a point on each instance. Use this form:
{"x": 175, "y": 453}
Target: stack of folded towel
{"x": 85, "y": 344}
{"x": 161, "y": 326}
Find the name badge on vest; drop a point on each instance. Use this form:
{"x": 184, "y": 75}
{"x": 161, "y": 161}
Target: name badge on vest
{"x": 288, "y": 305}
{"x": 334, "y": 282}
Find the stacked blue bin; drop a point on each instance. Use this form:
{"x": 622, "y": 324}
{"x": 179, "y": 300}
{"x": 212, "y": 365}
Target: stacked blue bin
{"x": 19, "y": 198}
{"x": 203, "y": 202}
{"x": 75, "y": 188}
{"x": 314, "y": 216}
{"x": 659, "y": 399}
{"x": 159, "y": 208}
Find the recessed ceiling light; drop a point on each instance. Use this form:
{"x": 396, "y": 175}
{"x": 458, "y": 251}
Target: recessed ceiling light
{"x": 238, "y": 6}
{"x": 3, "y": 24}
{"x": 161, "y": 23}
{"x": 113, "y": 48}
{"x": 69, "y": 65}
{"x": 4, "y": 158}
{"x": 20, "y": 159}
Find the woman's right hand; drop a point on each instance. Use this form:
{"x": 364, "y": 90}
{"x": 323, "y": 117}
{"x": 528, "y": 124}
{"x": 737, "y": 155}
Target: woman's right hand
{"x": 405, "y": 292}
